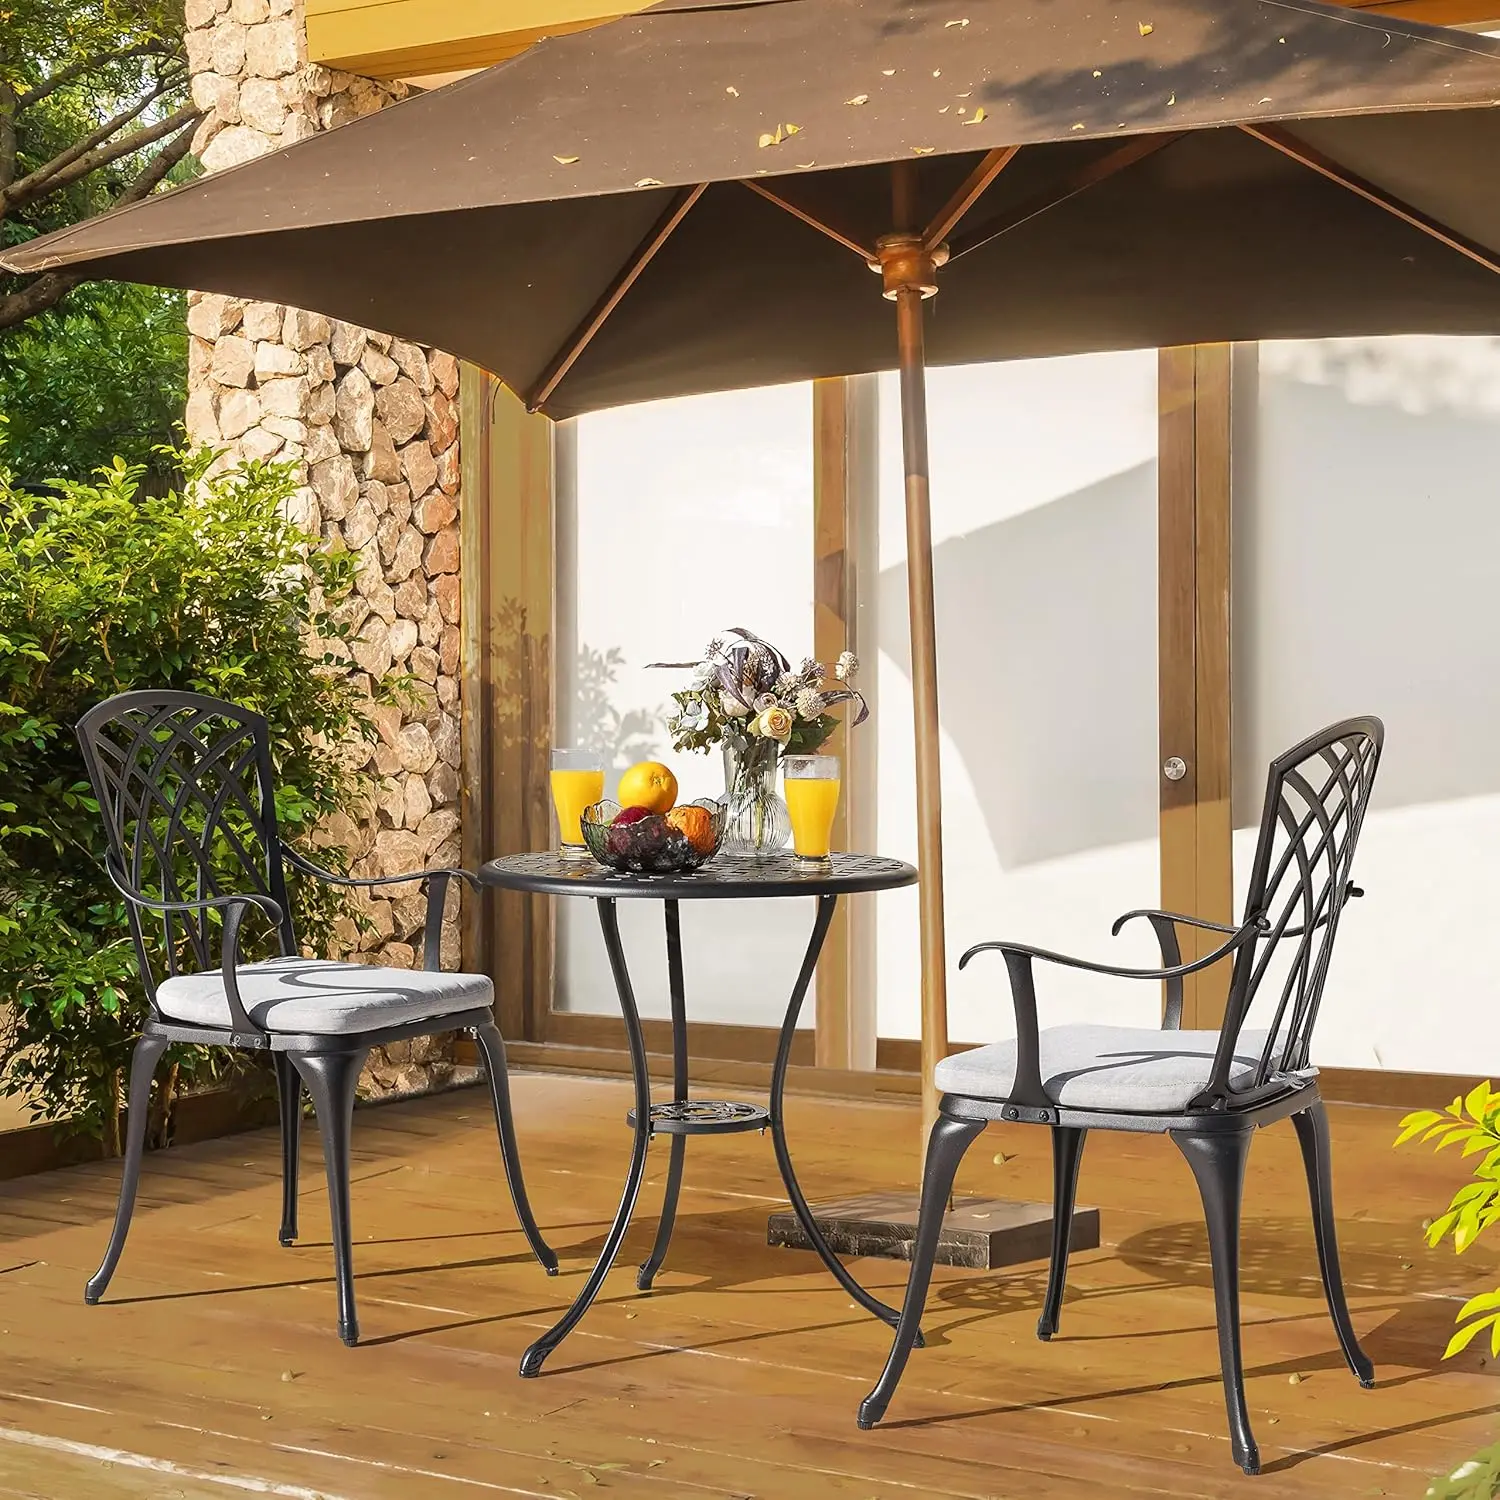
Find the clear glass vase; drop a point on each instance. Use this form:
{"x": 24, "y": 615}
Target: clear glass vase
{"x": 757, "y": 823}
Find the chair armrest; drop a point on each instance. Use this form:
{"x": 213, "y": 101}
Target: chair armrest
{"x": 1164, "y": 924}
{"x": 1027, "y": 1097}
{"x": 437, "y": 895}
{"x": 234, "y": 908}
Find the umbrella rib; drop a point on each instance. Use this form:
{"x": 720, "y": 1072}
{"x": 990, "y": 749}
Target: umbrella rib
{"x": 968, "y": 194}
{"x": 813, "y": 222}
{"x": 1094, "y": 173}
{"x": 1310, "y": 157}
{"x": 598, "y": 315}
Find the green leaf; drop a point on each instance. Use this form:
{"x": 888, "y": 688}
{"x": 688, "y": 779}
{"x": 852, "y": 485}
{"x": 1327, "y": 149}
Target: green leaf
{"x": 1466, "y": 1336}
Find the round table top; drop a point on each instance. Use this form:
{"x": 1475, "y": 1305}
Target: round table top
{"x": 721, "y": 879}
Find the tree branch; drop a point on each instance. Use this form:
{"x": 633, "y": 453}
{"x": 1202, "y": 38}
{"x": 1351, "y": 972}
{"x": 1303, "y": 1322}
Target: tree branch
{"x": 36, "y": 297}
{"x": 34, "y": 184}
{"x": 8, "y": 110}
{"x": 86, "y": 65}
{"x": 91, "y": 161}
{"x": 155, "y": 171}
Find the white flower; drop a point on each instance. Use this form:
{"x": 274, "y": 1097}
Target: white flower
{"x": 705, "y": 674}
{"x": 846, "y": 666}
{"x": 787, "y": 684}
{"x": 765, "y": 701}
{"x": 773, "y": 724}
{"x": 732, "y": 707}
{"x": 810, "y": 703}
{"x": 692, "y": 715}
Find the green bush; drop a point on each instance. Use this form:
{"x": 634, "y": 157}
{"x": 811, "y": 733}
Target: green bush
{"x": 209, "y": 588}
{"x": 104, "y": 374}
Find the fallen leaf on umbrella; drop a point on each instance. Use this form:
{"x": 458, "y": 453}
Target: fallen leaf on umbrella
{"x": 1145, "y": 28}
{"x": 888, "y": 72}
{"x": 770, "y": 138}
{"x": 648, "y": 182}
{"x": 1001, "y": 1158}
{"x": 565, "y": 161}
{"x": 732, "y": 91}
{"x": 1080, "y": 126}
{"x": 977, "y": 117}
{"x": 924, "y": 150}
{"x": 1266, "y": 100}
{"x": 947, "y": 24}
{"x": 804, "y": 165}
{"x": 937, "y": 72}
{"x": 1294, "y": 1379}
{"x": 793, "y": 129}
{"x": 858, "y": 99}
{"x": 1172, "y": 100}
{"x": 1098, "y": 74}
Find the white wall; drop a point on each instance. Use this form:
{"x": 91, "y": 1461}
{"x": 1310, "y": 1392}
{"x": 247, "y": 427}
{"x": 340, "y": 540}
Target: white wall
{"x": 675, "y": 520}
{"x": 1044, "y": 516}
{"x": 1367, "y": 580}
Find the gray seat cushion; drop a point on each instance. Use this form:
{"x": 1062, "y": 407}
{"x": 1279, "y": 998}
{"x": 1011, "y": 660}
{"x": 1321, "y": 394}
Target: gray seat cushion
{"x": 1131, "y": 1069}
{"x": 322, "y": 998}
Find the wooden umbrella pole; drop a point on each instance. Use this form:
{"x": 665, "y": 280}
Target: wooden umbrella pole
{"x": 924, "y": 689}
{"x": 908, "y": 268}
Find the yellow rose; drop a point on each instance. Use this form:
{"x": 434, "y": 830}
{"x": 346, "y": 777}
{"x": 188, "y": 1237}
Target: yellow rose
{"x": 773, "y": 724}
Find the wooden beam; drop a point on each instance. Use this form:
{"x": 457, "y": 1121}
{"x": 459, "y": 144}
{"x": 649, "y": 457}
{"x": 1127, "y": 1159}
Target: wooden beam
{"x": 845, "y": 412}
{"x": 508, "y": 687}
{"x": 968, "y": 193}
{"x": 598, "y": 315}
{"x": 404, "y": 38}
{"x": 413, "y": 38}
{"x": 1289, "y": 144}
{"x": 1193, "y": 546}
{"x": 1096, "y": 171}
{"x": 833, "y": 232}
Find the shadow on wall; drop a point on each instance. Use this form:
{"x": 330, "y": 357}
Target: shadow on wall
{"x": 620, "y": 738}
{"x": 1367, "y": 557}
{"x": 1047, "y": 661}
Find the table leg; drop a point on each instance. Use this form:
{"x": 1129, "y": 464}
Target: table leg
{"x": 533, "y": 1359}
{"x": 647, "y": 1273}
{"x": 826, "y": 905}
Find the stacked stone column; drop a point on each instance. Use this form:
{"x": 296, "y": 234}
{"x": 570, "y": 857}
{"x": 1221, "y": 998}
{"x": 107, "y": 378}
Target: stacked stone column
{"x": 370, "y": 423}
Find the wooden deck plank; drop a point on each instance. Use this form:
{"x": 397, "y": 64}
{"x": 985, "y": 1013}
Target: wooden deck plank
{"x": 741, "y": 1373}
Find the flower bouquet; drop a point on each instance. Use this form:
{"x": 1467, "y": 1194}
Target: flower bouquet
{"x": 745, "y": 696}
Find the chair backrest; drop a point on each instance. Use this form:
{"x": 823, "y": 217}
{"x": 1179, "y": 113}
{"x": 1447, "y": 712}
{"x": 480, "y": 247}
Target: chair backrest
{"x": 185, "y": 789}
{"x": 1316, "y": 796}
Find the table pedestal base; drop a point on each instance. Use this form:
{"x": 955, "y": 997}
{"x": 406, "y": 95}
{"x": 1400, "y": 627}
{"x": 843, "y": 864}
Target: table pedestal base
{"x": 981, "y": 1234}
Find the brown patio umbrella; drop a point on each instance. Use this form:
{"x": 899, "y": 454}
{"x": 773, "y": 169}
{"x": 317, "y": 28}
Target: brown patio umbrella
{"x": 687, "y": 200}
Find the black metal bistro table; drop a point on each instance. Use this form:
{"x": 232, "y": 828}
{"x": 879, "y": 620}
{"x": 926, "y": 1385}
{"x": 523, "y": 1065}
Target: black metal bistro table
{"x": 722, "y": 880}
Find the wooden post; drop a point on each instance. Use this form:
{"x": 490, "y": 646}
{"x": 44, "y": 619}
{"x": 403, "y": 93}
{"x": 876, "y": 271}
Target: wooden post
{"x": 507, "y": 718}
{"x": 1193, "y": 538}
{"x": 844, "y": 496}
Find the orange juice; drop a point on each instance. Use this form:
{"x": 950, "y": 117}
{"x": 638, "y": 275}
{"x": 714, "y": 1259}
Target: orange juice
{"x": 572, "y": 791}
{"x": 812, "y": 803}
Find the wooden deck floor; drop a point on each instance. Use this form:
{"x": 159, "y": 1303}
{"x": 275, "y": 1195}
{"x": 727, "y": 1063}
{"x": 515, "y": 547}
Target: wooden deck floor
{"x": 214, "y": 1369}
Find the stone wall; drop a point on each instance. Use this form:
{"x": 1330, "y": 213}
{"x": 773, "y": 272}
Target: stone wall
{"x": 372, "y": 424}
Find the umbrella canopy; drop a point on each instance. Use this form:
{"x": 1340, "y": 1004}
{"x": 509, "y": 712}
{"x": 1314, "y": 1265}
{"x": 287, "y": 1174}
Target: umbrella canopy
{"x": 605, "y": 173}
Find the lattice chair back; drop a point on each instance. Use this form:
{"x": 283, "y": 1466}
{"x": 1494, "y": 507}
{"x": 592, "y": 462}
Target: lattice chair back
{"x": 1316, "y": 796}
{"x": 184, "y": 785}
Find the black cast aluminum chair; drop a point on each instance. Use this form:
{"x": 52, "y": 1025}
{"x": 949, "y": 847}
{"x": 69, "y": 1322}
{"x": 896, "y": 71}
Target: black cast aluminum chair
{"x": 1207, "y": 1090}
{"x": 184, "y": 784}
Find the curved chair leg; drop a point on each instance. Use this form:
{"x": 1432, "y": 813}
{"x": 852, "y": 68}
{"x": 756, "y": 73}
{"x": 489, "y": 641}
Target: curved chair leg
{"x": 946, "y": 1145}
{"x": 148, "y": 1053}
{"x": 331, "y": 1079}
{"x": 1312, "y": 1135}
{"x": 492, "y": 1044}
{"x": 1218, "y": 1163}
{"x": 289, "y": 1095}
{"x": 1067, "y": 1152}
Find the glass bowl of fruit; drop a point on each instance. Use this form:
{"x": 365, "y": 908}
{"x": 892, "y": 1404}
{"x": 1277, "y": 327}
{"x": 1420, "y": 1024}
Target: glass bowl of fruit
{"x": 651, "y": 843}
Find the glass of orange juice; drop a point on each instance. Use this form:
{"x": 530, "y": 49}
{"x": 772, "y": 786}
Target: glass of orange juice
{"x": 577, "y": 783}
{"x": 812, "y": 797}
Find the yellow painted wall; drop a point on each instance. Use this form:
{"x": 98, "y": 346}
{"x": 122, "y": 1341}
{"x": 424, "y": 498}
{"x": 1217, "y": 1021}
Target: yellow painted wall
{"x": 403, "y": 38}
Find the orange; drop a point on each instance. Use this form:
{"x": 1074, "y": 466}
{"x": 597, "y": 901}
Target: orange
{"x": 650, "y": 785}
{"x": 696, "y": 825}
